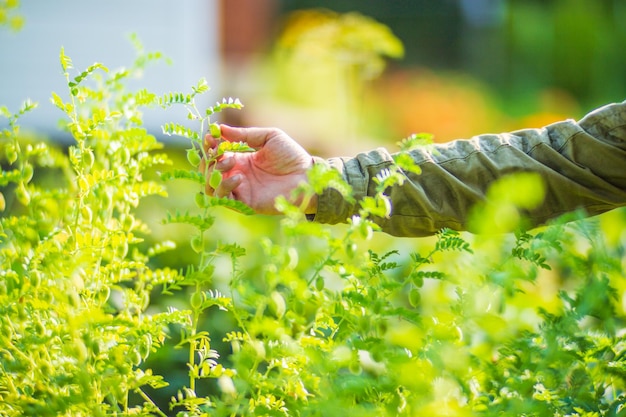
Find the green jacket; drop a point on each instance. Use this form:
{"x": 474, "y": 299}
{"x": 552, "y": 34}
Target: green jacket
{"x": 583, "y": 165}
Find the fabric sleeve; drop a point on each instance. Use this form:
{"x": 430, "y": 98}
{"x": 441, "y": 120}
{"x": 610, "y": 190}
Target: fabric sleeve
{"x": 583, "y": 165}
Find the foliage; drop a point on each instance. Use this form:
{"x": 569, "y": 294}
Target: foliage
{"x": 320, "y": 323}
{"x": 76, "y": 279}
{"x": 349, "y": 38}
{"x": 322, "y": 60}
{"x": 9, "y": 16}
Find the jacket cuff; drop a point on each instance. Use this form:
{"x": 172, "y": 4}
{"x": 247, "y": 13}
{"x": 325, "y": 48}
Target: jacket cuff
{"x": 332, "y": 207}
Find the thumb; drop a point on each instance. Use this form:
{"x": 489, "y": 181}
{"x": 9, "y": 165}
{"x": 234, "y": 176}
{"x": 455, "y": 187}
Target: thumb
{"x": 256, "y": 137}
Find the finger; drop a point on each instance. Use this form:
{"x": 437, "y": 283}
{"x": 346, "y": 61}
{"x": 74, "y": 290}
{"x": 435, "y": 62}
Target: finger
{"x": 228, "y": 185}
{"x": 226, "y": 163}
{"x": 210, "y": 142}
{"x": 206, "y": 169}
{"x": 253, "y": 136}
{"x": 210, "y": 148}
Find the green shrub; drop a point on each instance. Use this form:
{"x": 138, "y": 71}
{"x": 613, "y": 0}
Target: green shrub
{"x": 308, "y": 320}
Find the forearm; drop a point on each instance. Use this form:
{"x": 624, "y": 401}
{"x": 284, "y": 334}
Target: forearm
{"x": 581, "y": 163}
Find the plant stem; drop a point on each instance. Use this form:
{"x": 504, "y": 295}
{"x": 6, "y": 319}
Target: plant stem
{"x": 328, "y": 258}
{"x": 192, "y": 352}
{"x": 148, "y": 399}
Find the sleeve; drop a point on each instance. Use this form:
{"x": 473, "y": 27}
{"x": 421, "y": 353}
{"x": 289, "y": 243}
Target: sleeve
{"x": 583, "y": 165}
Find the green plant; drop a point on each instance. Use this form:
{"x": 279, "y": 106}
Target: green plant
{"x": 76, "y": 277}
{"x": 313, "y": 320}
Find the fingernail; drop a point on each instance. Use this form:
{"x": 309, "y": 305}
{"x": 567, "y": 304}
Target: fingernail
{"x": 224, "y": 162}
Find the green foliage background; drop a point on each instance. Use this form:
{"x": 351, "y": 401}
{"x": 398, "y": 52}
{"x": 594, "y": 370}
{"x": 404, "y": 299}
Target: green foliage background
{"x": 126, "y": 290}
{"x": 518, "y": 47}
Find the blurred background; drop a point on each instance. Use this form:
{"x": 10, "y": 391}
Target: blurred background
{"x": 468, "y": 66}
{"x": 340, "y": 75}
{"x": 91, "y": 31}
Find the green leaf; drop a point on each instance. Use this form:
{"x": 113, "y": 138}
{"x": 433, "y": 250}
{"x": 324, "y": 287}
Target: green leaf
{"x": 234, "y": 205}
{"x": 201, "y": 87}
{"x": 407, "y": 164}
{"x": 216, "y": 298}
{"x": 170, "y": 99}
{"x": 194, "y": 176}
{"x": 226, "y": 146}
{"x": 27, "y": 106}
{"x": 57, "y": 101}
{"x": 415, "y": 141}
{"x": 378, "y": 206}
{"x": 229, "y": 103}
{"x": 202, "y": 222}
{"x": 7, "y": 177}
{"x": 415, "y": 297}
{"x": 197, "y": 244}
{"x": 176, "y": 129}
{"x": 322, "y": 177}
{"x": 232, "y": 249}
{"x": 449, "y": 239}
{"x": 66, "y": 62}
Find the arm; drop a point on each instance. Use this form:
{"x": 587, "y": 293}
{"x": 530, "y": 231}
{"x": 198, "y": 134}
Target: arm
{"x": 583, "y": 165}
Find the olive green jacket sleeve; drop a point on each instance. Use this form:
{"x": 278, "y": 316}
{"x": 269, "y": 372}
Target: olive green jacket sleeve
{"x": 583, "y": 165}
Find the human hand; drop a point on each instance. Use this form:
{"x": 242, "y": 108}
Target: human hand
{"x": 275, "y": 169}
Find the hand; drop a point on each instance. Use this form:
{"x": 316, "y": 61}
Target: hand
{"x": 277, "y": 167}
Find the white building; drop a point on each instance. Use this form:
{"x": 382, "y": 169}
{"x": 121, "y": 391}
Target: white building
{"x": 186, "y": 31}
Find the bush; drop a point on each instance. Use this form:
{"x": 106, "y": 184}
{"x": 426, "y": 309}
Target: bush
{"x": 310, "y": 320}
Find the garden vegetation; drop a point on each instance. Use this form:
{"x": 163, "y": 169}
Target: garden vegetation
{"x": 322, "y": 323}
